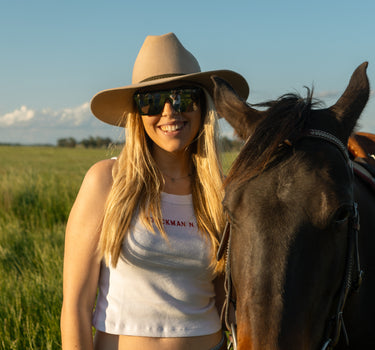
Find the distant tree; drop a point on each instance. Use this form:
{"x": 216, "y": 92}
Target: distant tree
{"x": 87, "y": 143}
{"x": 67, "y": 142}
{"x": 96, "y": 142}
{"x": 230, "y": 145}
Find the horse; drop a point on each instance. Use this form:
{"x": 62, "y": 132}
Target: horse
{"x": 295, "y": 252}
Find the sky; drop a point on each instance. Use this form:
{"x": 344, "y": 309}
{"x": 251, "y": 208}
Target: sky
{"x": 56, "y": 55}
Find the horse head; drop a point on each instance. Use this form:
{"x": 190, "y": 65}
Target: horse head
{"x": 289, "y": 200}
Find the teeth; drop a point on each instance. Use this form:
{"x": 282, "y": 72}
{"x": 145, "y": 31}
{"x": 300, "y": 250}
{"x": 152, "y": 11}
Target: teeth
{"x": 173, "y": 127}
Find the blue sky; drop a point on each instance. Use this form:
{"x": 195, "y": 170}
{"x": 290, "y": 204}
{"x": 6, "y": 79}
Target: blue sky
{"x": 55, "y": 55}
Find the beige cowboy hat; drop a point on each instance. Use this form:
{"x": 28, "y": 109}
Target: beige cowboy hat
{"x": 162, "y": 60}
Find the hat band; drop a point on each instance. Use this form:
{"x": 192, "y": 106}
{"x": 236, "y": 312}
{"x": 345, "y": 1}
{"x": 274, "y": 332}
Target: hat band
{"x": 156, "y": 77}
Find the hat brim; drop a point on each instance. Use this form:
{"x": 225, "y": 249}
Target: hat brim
{"x": 110, "y": 105}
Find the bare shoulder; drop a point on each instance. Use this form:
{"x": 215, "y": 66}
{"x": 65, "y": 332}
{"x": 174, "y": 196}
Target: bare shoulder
{"x": 101, "y": 171}
{"x": 94, "y": 189}
{"x": 99, "y": 177}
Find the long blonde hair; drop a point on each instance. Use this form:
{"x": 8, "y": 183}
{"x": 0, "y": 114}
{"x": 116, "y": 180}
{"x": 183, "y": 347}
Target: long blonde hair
{"x": 137, "y": 184}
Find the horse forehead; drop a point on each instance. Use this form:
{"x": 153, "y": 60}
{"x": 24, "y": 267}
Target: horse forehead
{"x": 316, "y": 201}
{"x": 306, "y": 184}
{"x": 304, "y": 178}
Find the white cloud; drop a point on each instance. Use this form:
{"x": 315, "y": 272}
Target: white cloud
{"x": 327, "y": 94}
{"x": 67, "y": 117}
{"x": 333, "y": 94}
{"x": 77, "y": 116}
{"x": 19, "y": 116}
{"x": 27, "y": 126}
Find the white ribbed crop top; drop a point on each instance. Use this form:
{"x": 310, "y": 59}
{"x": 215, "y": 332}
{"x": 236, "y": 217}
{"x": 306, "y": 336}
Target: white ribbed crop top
{"x": 160, "y": 288}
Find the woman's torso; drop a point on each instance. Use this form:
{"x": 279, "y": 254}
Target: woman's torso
{"x": 155, "y": 277}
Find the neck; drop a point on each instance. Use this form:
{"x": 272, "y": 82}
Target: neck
{"x": 176, "y": 169}
{"x": 174, "y": 166}
{"x": 178, "y": 187}
{"x": 175, "y": 179}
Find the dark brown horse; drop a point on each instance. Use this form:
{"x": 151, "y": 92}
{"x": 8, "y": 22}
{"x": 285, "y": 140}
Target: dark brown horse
{"x": 291, "y": 202}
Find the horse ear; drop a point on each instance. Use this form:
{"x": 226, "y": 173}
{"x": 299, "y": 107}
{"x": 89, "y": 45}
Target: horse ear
{"x": 235, "y": 110}
{"x": 352, "y": 102}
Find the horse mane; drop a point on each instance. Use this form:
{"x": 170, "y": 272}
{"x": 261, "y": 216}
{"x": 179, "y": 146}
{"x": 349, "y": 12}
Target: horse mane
{"x": 285, "y": 118}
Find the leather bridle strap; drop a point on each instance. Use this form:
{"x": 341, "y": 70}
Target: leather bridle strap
{"x": 326, "y": 136}
{"x": 224, "y": 242}
{"x": 225, "y": 247}
{"x": 351, "y": 282}
{"x": 353, "y": 273}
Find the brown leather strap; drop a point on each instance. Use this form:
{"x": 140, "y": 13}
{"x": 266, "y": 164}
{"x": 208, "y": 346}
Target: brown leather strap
{"x": 224, "y": 242}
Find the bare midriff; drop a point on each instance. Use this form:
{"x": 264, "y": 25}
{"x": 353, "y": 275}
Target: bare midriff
{"x": 105, "y": 341}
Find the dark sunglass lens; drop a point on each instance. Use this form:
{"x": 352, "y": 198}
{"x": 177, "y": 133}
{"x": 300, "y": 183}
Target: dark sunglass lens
{"x": 182, "y": 100}
{"x": 190, "y": 100}
{"x": 148, "y": 103}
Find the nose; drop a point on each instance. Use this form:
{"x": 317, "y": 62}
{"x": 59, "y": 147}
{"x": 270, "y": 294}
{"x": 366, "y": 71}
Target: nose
{"x": 168, "y": 109}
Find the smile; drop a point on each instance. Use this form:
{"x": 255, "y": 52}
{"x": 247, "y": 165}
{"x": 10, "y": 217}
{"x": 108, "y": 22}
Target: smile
{"x": 172, "y": 127}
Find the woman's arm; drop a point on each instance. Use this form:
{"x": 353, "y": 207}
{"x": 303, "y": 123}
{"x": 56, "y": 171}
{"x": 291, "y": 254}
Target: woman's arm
{"x": 81, "y": 260}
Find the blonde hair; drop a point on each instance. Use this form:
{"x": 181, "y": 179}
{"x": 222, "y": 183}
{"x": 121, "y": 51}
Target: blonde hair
{"x": 137, "y": 184}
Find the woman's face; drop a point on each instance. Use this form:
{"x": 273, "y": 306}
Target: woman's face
{"x": 173, "y": 131}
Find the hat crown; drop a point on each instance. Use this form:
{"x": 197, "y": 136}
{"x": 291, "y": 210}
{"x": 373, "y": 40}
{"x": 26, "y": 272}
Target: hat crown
{"x": 161, "y": 61}
{"x": 163, "y": 56}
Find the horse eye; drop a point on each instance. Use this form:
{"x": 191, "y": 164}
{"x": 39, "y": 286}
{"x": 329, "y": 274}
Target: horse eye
{"x": 342, "y": 215}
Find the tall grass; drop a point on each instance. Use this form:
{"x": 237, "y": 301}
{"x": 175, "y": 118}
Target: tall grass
{"x": 37, "y": 188}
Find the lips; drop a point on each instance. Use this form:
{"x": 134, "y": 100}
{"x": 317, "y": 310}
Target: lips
{"x": 172, "y": 127}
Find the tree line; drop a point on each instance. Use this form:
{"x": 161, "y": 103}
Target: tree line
{"x": 91, "y": 142}
{"x": 226, "y": 144}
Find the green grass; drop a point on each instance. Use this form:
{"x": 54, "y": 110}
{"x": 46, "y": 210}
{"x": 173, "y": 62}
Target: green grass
{"x": 227, "y": 159}
{"x": 37, "y": 188}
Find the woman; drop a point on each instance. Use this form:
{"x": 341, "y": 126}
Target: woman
{"x": 145, "y": 226}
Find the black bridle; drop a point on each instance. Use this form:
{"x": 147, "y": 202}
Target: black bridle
{"x": 353, "y": 273}
{"x": 351, "y": 282}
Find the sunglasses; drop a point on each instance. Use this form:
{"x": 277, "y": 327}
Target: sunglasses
{"x": 182, "y": 100}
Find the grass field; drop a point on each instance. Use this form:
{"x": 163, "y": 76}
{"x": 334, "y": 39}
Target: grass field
{"x": 37, "y": 188}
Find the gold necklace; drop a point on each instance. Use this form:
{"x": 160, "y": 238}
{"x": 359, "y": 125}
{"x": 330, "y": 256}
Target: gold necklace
{"x": 174, "y": 179}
